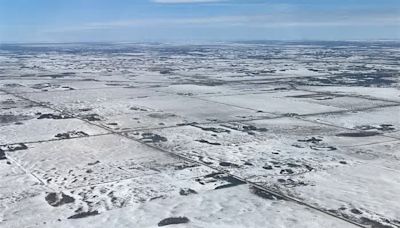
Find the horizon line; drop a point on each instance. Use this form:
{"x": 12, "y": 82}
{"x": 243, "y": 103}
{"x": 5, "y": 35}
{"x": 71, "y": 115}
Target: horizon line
{"x": 200, "y": 41}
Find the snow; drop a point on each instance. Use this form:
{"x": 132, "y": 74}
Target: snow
{"x": 224, "y": 135}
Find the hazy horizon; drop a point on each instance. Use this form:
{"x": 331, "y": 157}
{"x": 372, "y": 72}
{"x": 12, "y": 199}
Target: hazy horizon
{"x": 196, "y": 41}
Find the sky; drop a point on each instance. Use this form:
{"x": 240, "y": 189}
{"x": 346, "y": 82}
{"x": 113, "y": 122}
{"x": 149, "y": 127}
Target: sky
{"x": 197, "y": 20}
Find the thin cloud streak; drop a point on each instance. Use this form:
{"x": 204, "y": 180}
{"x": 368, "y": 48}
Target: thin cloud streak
{"x": 260, "y": 21}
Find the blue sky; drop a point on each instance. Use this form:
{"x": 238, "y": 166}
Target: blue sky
{"x": 197, "y": 20}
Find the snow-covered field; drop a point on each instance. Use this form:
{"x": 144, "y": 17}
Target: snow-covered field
{"x": 215, "y": 135}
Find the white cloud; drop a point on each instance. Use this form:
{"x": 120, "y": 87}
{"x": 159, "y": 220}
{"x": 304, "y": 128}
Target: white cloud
{"x": 185, "y": 1}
